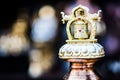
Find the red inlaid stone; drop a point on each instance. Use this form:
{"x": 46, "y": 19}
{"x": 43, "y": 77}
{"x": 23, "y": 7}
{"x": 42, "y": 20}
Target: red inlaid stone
{"x": 79, "y": 18}
{"x": 79, "y": 30}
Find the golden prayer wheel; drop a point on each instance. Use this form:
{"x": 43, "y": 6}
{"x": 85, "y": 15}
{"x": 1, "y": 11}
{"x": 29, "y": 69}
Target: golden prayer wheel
{"x": 80, "y": 29}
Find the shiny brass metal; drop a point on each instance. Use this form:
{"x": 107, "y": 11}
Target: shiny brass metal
{"x": 81, "y": 69}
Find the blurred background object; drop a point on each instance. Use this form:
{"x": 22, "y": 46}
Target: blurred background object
{"x": 16, "y": 41}
{"x": 17, "y": 67}
{"x": 43, "y": 35}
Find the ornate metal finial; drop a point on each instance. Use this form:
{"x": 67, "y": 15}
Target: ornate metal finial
{"x": 81, "y": 49}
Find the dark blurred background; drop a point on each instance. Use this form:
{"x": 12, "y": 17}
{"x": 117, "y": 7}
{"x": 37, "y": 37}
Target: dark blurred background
{"x": 16, "y": 67}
